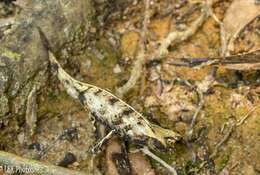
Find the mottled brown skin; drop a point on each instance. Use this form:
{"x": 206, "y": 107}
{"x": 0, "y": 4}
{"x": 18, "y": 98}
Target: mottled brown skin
{"x": 115, "y": 113}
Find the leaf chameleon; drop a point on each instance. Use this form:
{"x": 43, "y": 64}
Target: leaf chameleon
{"x": 121, "y": 118}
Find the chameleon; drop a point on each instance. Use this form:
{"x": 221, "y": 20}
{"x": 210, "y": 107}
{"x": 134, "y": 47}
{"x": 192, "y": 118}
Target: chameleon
{"x": 113, "y": 112}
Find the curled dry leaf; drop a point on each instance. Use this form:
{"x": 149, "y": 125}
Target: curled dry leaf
{"x": 239, "y": 14}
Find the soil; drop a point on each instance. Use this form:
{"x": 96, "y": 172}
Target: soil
{"x": 106, "y": 62}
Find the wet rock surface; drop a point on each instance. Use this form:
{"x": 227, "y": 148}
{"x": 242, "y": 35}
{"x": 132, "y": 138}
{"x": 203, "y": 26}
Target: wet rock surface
{"x": 24, "y": 58}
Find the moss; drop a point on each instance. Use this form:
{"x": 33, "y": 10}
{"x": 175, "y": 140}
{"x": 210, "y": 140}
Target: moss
{"x": 190, "y": 167}
{"x": 9, "y": 54}
{"x": 103, "y": 59}
{"x": 222, "y": 162}
{"x": 4, "y": 108}
{"x": 55, "y": 103}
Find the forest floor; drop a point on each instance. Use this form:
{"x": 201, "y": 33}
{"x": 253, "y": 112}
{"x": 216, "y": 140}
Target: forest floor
{"x": 216, "y": 113}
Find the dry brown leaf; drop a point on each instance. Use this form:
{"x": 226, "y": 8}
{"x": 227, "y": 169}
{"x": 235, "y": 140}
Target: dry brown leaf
{"x": 140, "y": 165}
{"x": 239, "y": 14}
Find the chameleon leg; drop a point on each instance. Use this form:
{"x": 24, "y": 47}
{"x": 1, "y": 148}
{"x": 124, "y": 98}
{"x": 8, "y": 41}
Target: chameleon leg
{"x": 102, "y": 141}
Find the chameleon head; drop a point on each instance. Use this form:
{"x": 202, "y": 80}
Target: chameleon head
{"x": 164, "y": 138}
{"x": 170, "y": 141}
{"x": 162, "y": 145}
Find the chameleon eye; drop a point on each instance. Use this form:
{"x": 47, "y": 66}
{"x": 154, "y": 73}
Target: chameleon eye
{"x": 170, "y": 141}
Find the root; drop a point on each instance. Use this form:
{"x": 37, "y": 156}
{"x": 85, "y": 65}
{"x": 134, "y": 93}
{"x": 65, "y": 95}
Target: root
{"x": 194, "y": 118}
{"x": 223, "y": 51}
{"x": 175, "y": 37}
{"x": 137, "y": 69}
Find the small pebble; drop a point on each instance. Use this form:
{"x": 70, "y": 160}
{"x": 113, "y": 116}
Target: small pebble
{"x": 35, "y": 146}
{"x": 117, "y": 69}
{"x": 177, "y": 6}
{"x": 21, "y": 138}
{"x": 69, "y": 158}
{"x": 93, "y": 30}
{"x": 87, "y": 64}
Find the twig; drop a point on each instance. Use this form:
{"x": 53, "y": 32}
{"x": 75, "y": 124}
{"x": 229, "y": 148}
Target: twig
{"x": 18, "y": 165}
{"x": 241, "y": 121}
{"x": 146, "y": 151}
{"x": 247, "y": 58}
{"x": 225, "y": 138}
{"x": 194, "y": 118}
{"x": 223, "y": 39}
{"x": 31, "y": 113}
{"x": 196, "y": 113}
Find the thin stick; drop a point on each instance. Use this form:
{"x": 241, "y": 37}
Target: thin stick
{"x": 241, "y": 121}
{"x": 194, "y": 118}
{"x": 197, "y": 111}
{"x": 146, "y": 151}
{"x": 247, "y": 58}
{"x": 225, "y": 138}
{"x": 18, "y": 164}
{"x": 223, "y": 39}
{"x": 31, "y": 113}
